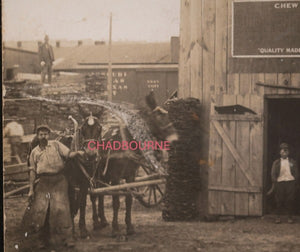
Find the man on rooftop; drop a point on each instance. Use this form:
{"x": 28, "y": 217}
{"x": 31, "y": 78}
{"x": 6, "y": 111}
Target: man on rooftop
{"x": 46, "y": 57}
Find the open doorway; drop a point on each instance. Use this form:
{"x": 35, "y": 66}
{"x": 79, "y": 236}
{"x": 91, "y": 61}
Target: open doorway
{"x": 282, "y": 125}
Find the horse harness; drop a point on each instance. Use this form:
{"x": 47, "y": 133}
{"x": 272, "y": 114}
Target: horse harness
{"x": 95, "y": 163}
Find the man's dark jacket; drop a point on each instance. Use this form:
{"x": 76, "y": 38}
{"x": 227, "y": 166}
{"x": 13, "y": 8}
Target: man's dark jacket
{"x": 46, "y": 54}
{"x": 276, "y": 169}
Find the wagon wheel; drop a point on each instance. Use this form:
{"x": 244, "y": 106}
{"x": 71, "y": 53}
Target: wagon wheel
{"x": 152, "y": 195}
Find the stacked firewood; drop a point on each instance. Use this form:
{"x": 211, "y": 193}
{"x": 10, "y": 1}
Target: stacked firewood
{"x": 14, "y": 89}
{"x": 183, "y": 182}
{"x": 95, "y": 86}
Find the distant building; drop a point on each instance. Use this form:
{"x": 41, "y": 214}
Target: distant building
{"x": 27, "y": 61}
{"x": 138, "y": 67}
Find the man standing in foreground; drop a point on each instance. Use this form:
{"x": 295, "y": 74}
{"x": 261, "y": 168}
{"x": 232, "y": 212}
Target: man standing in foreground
{"x": 46, "y": 57}
{"x": 284, "y": 176}
{"x": 49, "y": 209}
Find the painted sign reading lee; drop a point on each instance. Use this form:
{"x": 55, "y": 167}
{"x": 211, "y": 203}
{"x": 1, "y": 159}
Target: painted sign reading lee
{"x": 266, "y": 29}
{"x": 118, "y": 81}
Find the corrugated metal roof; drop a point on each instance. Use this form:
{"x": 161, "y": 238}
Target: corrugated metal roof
{"x": 19, "y": 50}
{"x": 69, "y": 57}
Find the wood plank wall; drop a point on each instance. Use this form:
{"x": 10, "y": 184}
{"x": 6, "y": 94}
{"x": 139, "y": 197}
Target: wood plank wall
{"x": 205, "y": 73}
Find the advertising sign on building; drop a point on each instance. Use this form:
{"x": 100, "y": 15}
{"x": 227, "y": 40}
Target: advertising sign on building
{"x": 266, "y": 29}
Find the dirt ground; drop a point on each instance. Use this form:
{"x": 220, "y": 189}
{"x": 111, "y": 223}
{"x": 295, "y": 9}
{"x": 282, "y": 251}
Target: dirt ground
{"x": 154, "y": 234}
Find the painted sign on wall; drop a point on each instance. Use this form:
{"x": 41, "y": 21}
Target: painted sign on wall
{"x": 266, "y": 29}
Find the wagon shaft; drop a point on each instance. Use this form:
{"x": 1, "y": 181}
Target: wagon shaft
{"x": 128, "y": 186}
{"x": 149, "y": 177}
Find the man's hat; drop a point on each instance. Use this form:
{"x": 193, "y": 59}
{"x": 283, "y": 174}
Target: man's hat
{"x": 284, "y": 146}
{"x": 43, "y": 127}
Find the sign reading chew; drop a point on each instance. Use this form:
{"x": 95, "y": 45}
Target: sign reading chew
{"x": 266, "y": 29}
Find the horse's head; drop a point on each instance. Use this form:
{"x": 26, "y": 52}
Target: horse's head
{"x": 159, "y": 122}
{"x": 91, "y": 128}
{"x": 90, "y": 131}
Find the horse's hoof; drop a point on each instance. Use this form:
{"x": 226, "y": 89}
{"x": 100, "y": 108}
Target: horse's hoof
{"x": 121, "y": 238}
{"x": 75, "y": 236}
{"x": 96, "y": 225}
{"x": 115, "y": 233}
{"x": 130, "y": 230}
{"x": 100, "y": 225}
{"x": 104, "y": 224}
{"x": 84, "y": 234}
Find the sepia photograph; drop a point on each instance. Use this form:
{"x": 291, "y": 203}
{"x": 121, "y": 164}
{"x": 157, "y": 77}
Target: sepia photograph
{"x": 149, "y": 125}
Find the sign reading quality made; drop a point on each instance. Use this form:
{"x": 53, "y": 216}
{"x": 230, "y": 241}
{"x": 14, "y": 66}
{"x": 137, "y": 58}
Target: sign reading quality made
{"x": 266, "y": 29}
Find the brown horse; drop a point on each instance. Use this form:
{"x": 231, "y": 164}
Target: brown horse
{"x": 96, "y": 169}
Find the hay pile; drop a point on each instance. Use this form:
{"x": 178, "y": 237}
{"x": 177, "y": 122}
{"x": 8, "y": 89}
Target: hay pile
{"x": 183, "y": 182}
{"x": 137, "y": 128}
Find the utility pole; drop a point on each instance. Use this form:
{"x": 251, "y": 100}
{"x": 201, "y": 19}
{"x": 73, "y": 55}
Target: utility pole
{"x": 109, "y": 74}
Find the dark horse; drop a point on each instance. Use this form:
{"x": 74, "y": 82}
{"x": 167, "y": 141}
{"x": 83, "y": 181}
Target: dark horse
{"x": 95, "y": 169}
{"x": 82, "y": 172}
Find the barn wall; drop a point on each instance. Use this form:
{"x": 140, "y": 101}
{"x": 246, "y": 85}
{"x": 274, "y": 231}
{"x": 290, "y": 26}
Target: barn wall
{"x": 139, "y": 82}
{"x": 133, "y": 83}
{"x": 208, "y": 72}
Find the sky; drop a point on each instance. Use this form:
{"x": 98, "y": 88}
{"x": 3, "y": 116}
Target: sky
{"x": 133, "y": 20}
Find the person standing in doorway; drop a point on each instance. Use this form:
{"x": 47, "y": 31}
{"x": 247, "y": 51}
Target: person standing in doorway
{"x": 46, "y": 57}
{"x": 284, "y": 177}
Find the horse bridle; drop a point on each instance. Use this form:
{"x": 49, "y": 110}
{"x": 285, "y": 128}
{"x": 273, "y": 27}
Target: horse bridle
{"x": 92, "y": 179}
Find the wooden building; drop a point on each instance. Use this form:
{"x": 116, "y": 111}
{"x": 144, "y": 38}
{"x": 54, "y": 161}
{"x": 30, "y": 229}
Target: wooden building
{"x": 247, "y": 53}
{"x": 27, "y": 61}
{"x": 137, "y": 68}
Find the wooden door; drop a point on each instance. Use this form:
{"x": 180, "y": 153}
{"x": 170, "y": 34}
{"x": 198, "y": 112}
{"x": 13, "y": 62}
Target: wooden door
{"x": 236, "y": 165}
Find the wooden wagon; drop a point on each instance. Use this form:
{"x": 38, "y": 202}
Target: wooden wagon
{"x": 148, "y": 187}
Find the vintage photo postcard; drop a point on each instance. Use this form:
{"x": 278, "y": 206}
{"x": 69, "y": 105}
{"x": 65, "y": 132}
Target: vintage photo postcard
{"x": 147, "y": 125}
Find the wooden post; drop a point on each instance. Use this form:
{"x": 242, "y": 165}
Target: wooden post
{"x": 6, "y": 195}
{"x": 109, "y": 77}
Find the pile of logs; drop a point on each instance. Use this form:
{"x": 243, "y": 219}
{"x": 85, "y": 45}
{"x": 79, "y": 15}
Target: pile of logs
{"x": 95, "y": 86}
{"x": 183, "y": 182}
{"x": 14, "y": 89}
